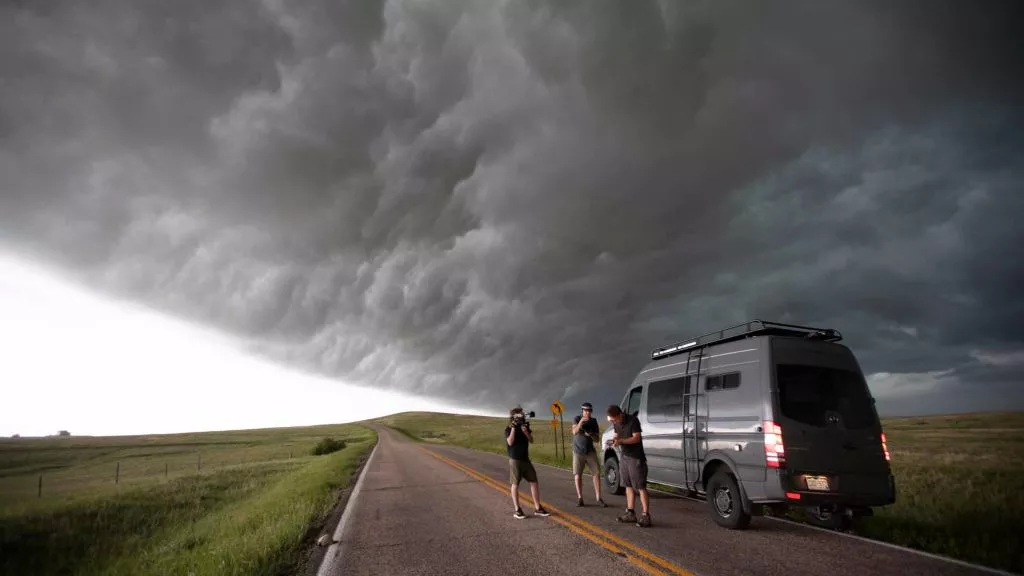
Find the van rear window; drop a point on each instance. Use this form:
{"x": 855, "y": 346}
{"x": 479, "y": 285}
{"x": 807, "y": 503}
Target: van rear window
{"x": 808, "y": 393}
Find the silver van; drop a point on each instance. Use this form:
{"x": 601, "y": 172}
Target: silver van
{"x": 761, "y": 414}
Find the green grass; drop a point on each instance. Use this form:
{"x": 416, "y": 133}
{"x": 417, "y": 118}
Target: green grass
{"x": 960, "y": 488}
{"x": 249, "y": 511}
{"x": 959, "y": 479}
{"x": 483, "y": 433}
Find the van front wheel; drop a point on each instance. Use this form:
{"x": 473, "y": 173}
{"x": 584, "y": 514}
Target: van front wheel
{"x": 725, "y": 502}
{"x": 612, "y": 479}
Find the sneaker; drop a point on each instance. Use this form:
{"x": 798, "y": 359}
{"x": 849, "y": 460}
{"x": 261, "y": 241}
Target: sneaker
{"x": 629, "y": 516}
{"x": 645, "y": 521}
{"x": 541, "y": 512}
{"x": 600, "y": 502}
{"x": 519, "y": 514}
{"x": 579, "y": 502}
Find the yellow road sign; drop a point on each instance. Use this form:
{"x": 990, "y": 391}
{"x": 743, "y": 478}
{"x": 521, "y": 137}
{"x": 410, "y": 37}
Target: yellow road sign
{"x": 554, "y": 423}
{"x": 557, "y": 408}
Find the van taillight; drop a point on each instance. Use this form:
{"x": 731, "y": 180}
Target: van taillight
{"x": 774, "y": 453}
{"x": 885, "y": 448}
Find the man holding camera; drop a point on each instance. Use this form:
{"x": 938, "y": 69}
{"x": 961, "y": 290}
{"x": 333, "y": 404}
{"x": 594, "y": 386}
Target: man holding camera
{"x": 633, "y": 465}
{"x": 518, "y": 437}
{"x": 584, "y": 432}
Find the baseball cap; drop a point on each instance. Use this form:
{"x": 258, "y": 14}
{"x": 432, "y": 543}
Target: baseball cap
{"x": 587, "y": 406}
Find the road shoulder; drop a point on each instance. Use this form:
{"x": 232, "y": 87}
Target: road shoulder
{"x": 314, "y": 554}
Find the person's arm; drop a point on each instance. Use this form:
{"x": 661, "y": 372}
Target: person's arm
{"x": 511, "y": 435}
{"x": 635, "y": 438}
{"x": 529, "y": 435}
{"x": 576, "y": 425}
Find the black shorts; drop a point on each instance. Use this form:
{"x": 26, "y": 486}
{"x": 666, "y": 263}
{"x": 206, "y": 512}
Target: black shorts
{"x": 634, "y": 473}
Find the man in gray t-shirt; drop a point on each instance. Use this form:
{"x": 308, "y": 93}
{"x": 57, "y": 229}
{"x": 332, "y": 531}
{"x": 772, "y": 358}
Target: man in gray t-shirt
{"x": 585, "y": 432}
{"x": 633, "y": 467}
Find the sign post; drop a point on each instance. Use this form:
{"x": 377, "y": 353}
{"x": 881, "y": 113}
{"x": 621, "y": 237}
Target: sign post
{"x": 557, "y": 409}
{"x": 554, "y": 435}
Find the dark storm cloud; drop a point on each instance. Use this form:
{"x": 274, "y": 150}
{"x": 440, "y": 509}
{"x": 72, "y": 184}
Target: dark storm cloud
{"x": 911, "y": 255}
{"x": 498, "y": 202}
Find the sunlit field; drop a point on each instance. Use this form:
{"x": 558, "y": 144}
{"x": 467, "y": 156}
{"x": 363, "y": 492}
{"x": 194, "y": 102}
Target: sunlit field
{"x": 243, "y": 502}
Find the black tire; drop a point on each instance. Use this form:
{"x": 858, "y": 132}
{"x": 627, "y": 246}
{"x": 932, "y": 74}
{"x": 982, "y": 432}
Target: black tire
{"x": 612, "y": 478}
{"x": 835, "y": 520}
{"x": 726, "y": 502}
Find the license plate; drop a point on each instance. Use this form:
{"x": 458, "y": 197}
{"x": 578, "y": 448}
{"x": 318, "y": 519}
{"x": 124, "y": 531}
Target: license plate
{"x": 817, "y": 482}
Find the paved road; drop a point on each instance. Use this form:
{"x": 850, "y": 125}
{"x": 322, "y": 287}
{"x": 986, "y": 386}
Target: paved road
{"x": 446, "y": 510}
{"x": 416, "y": 514}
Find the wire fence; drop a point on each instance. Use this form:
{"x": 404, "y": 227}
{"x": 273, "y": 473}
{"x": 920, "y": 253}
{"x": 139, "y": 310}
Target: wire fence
{"x": 114, "y": 470}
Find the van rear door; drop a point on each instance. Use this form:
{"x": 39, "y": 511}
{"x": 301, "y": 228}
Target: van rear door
{"x": 829, "y": 424}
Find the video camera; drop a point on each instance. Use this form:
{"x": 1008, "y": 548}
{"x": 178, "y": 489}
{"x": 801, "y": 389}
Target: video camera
{"x": 521, "y": 419}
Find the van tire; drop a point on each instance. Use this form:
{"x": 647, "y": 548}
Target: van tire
{"x": 613, "y": 477}
{"x": 836, "y": 520}
{"x": 726, "y": 501}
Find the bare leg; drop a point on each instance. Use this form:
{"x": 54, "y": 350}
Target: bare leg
{"x": 597, "y": 487}
{"x": 579, "y": 485}
{"x": 515, "y": 496}
{"x": 535, "y": 491}
{"x": 630, "y": 498}
{"x": 643, "y": 499}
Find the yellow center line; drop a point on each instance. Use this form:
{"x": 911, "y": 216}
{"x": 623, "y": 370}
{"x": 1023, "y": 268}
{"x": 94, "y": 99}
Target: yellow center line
{"x": 579, "y": 525}
{"x": 576, "y": 529}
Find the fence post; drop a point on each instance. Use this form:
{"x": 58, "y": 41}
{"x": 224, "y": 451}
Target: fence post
{"x": 117, "y": 473}
{"x": 199, "y": 463}
{"x": 40, "y": 486}
{"x": 165, "y": 469}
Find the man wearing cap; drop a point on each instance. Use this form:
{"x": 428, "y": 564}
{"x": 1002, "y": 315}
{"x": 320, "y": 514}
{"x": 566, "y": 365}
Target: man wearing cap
{"x": 633, "y": 466}
{"x": 585, "y": 432}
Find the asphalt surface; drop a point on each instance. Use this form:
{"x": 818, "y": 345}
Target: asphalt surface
{"x": 446, "y": 510}
{"x": 418, "y": 515}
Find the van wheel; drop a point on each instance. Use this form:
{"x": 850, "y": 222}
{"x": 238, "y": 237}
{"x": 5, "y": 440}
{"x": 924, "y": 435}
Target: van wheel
{"x": 836, "y": 519}
{"x": 726, "y": 503}
{"x": 612, "y": 478}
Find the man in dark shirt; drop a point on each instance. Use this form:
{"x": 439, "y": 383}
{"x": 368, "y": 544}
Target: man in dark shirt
{"x": 584, "y": 432}
{"x": 518, "y": 437}
{"x": 633, "y": 465}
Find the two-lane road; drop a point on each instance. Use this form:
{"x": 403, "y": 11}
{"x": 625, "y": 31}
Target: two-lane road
{"x": 415, "y": 514}
{"x": 447, "y": 510}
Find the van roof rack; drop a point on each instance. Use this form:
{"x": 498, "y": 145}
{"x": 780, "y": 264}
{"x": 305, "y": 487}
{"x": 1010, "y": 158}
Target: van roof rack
{"x": 746, "y": 330}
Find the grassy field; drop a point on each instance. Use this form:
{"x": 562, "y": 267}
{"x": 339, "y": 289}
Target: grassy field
{"x": 959, "y": 479}
{"x": 482, "y": 433}
{"x": 248, "y": 510}
{"x": 960, "y": 488}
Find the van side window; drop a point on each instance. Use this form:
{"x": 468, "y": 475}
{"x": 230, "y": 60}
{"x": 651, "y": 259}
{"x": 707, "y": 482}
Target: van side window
{"x": 665, "y": 400}
{"x": 722, "y": 381}
{"x": 633, "y": 403}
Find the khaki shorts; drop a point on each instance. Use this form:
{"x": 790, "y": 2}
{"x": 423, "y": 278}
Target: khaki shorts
{"x": 519, "y": 470}
{"x": 589, "y": 460}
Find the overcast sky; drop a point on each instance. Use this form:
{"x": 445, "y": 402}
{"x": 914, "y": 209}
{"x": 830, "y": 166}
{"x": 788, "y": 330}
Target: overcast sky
{"x": 496, "y": 202}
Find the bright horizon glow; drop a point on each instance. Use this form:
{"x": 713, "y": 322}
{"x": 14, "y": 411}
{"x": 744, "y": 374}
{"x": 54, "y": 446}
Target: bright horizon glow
{"x": 73, "y": 360}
